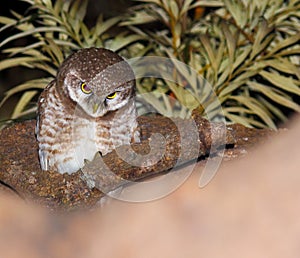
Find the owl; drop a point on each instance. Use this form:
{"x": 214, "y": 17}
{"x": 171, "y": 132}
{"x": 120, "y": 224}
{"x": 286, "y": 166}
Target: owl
{"x": 88, "y": 108}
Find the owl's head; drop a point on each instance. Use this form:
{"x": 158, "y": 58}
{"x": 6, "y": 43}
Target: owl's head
{"x": 96, "y": 80}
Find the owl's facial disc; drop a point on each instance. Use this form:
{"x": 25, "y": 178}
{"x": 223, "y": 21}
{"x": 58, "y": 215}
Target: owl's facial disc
{"x": 98, "y": 104}
{"x": 97, "y": 81}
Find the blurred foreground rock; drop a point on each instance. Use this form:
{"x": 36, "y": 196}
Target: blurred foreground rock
{"x": 250, "y": 209}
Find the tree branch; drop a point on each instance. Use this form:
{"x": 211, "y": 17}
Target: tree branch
{"x": 165, "y": 143}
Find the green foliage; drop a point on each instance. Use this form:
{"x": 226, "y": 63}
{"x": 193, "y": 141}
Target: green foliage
{"x": 247, "y": 52}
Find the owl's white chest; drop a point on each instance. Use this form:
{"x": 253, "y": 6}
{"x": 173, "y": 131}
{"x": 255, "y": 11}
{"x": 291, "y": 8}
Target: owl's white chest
{"x": 84, "y": 141}
{"x": 92, "y": 136}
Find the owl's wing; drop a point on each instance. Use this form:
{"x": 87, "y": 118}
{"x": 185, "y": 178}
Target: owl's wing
{"x": 37, "y": 128}
{"x": 40, "y": 115}
{"x": 41, "y": 106}
{"x": 42, "y": 156}
{"x": 43, "y": 160}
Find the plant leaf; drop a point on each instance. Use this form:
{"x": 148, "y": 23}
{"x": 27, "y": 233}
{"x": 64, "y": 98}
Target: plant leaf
{"x": 282, "y": 82}
{"x": 29, "y": 85}
{"x": 23, "y": 102}
{"x": 32, "y": 31}
{"x": 285, "y": 43}
{"x": 282, "y": 65}
{"x": 17, "y": 61}
{"x": 273, "y": 95}
{"x": 256, "y": 108}
{"x": 211, "y": 56}
{"x": 231, "y": 42}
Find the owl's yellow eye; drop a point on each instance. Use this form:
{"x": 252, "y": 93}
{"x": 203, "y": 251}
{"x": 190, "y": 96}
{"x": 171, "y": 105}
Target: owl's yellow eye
{"x": 85, "y": 89}
{"x": 112, "y": 96}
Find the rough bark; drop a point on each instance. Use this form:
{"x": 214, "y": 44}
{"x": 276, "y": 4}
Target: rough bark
{"x": 20, "y": 170}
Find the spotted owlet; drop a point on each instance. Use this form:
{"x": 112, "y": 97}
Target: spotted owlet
{"x": 88, "y": 107}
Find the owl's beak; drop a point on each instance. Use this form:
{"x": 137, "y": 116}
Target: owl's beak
{"x": 95, "y": 107}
